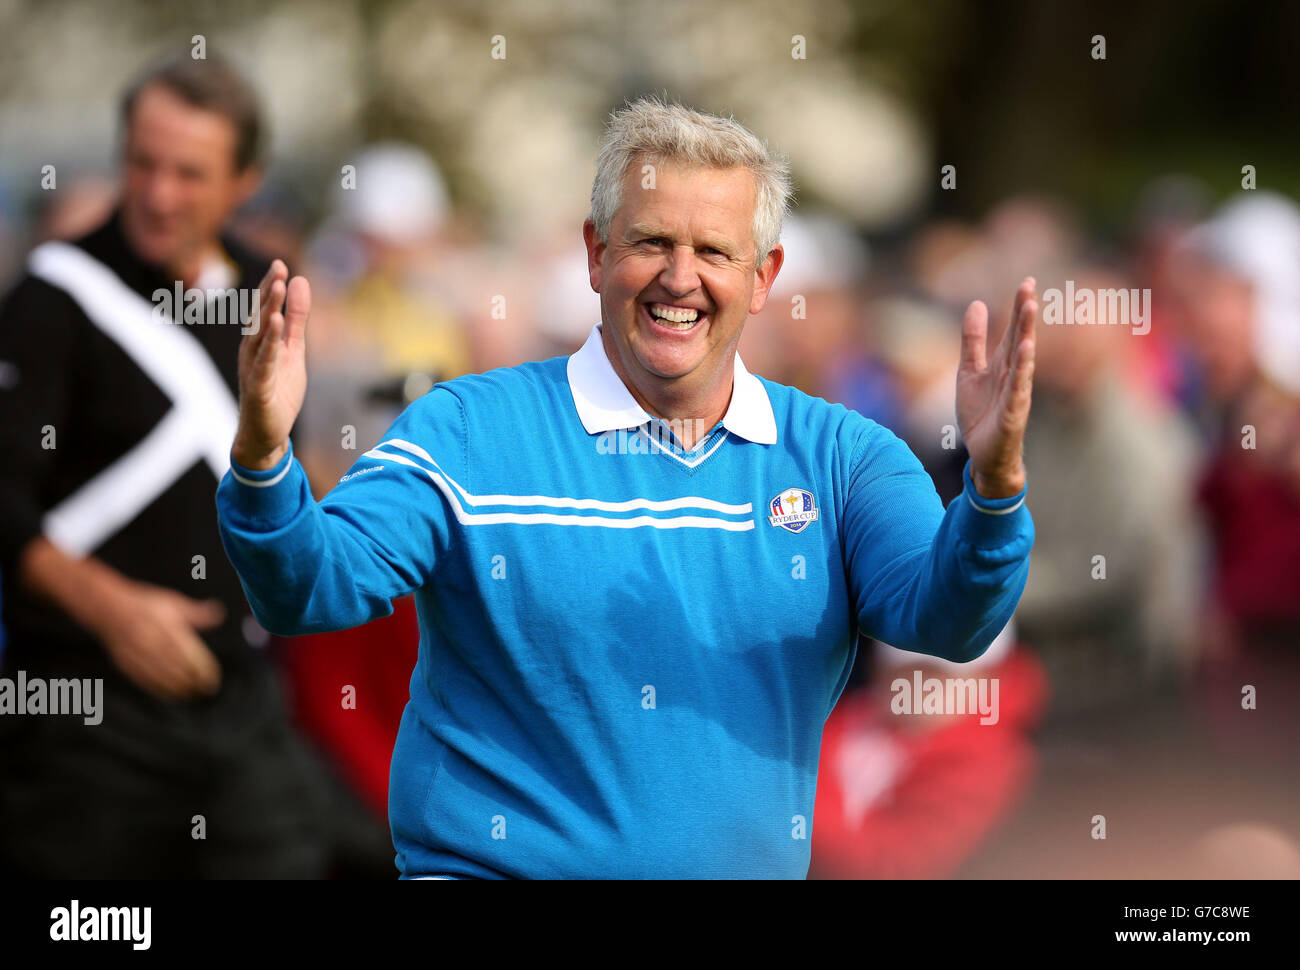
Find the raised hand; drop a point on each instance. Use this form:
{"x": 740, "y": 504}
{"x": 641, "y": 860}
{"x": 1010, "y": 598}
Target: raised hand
{"x": 272, "y": 370}
{"x": 994, "y": 391}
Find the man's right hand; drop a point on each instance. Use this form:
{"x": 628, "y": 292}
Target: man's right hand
{"x": 149, "y": 633}
{"x": 272, "y": 370}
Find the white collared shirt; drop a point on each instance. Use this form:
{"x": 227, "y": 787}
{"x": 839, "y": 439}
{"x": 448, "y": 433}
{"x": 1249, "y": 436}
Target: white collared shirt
{"x": 604, "y": 402}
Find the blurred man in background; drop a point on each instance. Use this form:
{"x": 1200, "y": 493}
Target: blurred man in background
{"x": 1113, "y": 627}
{"x": 1238, "y": 295}
{"x": 115, "y": 428}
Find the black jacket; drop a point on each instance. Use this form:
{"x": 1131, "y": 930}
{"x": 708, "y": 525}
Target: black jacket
{"x": 59, "y": 369}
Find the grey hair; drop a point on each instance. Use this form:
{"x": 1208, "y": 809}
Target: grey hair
{"x": 657, "y": 131}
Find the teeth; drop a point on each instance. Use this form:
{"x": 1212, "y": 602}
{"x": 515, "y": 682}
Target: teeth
{"x": 684, "y": 317}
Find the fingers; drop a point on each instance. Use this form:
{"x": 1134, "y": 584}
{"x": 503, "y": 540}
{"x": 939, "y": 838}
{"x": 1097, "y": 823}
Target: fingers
{"x": 195, "y": 669}
{"x": 268, "y": 302}
{"x": 268, "y": 348}
{"x": 203, "y": 673}
{"x": 264, "y": 288}
{"x": 155, "y": 664}
{"x": 202, "y": 614}
{"x": 158, "y": 648}
{"x": 179, "y": 663}
{"x": 974, "y": 334}
{"x": 974, "y": 331}
{"x": 1023, "y": 292}
{"x": 285, "y": 307}
{"x": 270, "y": 290}
{"x": 276, "y": 271}
{"x": 1019, "y": 392}
{"x": 148, "y": 675}
{"x": 1012, "y": 333}
{"x": 1029, "y": 311}
{"x": 297, "y": 309}
{"x": 270, "y": 295}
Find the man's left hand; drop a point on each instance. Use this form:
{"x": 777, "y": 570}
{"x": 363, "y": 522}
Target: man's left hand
{"x": 993, "y": 394}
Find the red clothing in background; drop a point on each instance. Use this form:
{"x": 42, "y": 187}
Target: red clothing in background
{"x": 1254, "y": 518}
{"x": 376, "y": 660}
{"x": 899, "y": 803}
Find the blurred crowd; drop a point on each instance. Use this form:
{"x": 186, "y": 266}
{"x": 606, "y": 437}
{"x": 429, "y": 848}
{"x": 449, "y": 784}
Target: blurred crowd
{"x": 1163, "y": 457}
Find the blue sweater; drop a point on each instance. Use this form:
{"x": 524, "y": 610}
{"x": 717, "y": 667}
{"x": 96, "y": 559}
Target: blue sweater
{"x": 627, "y": 650}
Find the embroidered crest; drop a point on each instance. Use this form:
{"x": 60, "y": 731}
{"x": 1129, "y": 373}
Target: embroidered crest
{"x": 793, "y": 509}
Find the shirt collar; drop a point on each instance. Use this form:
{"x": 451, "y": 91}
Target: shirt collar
{"x": 605, "y": 404}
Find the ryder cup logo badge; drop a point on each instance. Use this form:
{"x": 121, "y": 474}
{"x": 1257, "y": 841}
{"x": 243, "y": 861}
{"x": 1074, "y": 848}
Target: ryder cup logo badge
{"x": 793, "y": 509}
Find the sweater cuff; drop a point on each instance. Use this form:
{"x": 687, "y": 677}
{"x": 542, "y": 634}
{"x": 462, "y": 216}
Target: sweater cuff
{"x": 990, "y": 522}
{"x": 269, "y": 497}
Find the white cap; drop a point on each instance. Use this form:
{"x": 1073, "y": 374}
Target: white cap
{"x": 1258, "y": 239}
{"x": 400, "y": 195}
{"x": 821, "y": 253}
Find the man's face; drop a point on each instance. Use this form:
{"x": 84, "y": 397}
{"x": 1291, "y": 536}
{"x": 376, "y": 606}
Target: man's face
{"x": 179, "y": 181}
{"x": 685, "y": 246}
{"x": 1215, "y": 311}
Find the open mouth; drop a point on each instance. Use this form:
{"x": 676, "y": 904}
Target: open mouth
{"x": 673, "y": 319}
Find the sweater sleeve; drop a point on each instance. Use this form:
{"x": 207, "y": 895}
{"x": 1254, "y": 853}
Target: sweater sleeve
{"x": 924, "y": 579}
{"x": 313, "y": 567}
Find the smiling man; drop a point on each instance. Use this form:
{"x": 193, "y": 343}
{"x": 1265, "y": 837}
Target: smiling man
{"x": 676, "y": 271}
{"x": 115, "y": 428}
{"x": 627, "y": 655}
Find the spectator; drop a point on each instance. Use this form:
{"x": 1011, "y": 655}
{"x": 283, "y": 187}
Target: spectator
{"x": 1241, "y": 296}
{"x": 1110, "y": 602}
{"x": 115, "y": 429}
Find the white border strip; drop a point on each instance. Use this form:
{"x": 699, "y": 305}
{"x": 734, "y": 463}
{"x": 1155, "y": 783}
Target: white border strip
{"x": 688, "y": 502}
{"x": 689, "y": 464}
{"x": 255, "y": 483}
{"x": 1006, "y": 511}
{"x": 549, "y": 518}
